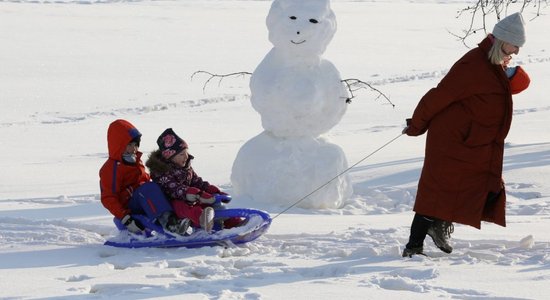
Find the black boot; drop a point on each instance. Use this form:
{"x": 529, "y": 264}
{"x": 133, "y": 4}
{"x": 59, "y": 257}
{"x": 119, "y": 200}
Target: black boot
{"x": 170, "y": 222}
{"x": 440, "y": 232}
{"x": 419, "y": 229}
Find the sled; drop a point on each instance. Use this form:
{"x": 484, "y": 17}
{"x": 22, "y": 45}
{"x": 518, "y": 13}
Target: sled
{"x": 254, "y": 224}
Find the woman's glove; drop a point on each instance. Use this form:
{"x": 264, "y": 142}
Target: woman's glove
{"x": 408, "y": 121}
{"x": 410, "y": 130}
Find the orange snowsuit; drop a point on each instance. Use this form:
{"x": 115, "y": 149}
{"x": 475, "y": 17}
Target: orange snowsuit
{"x": 118, "y": 179}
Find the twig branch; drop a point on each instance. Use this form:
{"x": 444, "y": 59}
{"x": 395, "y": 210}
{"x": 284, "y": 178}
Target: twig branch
{"x": 220, "y": 76}
{"x": 482, "y": 9}
{"x": 354, "y": 85}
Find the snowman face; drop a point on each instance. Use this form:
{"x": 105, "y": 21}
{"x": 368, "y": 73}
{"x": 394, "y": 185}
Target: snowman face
{"x": 303, "y": 27}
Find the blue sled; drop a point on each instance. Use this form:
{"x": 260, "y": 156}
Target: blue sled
{"x": 256, "y": 223}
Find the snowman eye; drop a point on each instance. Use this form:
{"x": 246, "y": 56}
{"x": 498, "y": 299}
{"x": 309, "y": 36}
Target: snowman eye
{"x": 293, "y": 18}
{"x": 314, "y": 21}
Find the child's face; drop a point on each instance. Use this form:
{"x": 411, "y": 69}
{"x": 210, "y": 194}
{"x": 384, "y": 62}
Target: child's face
{"x": 181, "y": 158}
{"x": 131, "y": 148}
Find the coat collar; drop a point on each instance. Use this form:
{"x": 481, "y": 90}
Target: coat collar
{"x": 486, "y": 44}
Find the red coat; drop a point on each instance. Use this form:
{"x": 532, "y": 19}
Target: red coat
{"x": 118, "y": 179}
{"x": 467, "y": 117}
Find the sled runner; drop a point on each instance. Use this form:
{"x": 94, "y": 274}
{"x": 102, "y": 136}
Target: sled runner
{"x": 255, "y": 223}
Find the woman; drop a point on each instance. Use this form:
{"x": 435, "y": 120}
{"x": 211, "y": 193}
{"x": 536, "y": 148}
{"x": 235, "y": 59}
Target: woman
{"x": 467, "y": 117}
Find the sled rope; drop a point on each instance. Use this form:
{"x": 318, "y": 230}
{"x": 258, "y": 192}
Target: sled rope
{"x": 340, "y": 174}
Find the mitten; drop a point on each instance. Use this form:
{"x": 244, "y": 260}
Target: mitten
{"x": 193, "y": 195}
{"x": 207, "y": 198}
{"x": 132, "y": 224}
{"x": 218, "y": 194}
{"x": 519, "y": 81}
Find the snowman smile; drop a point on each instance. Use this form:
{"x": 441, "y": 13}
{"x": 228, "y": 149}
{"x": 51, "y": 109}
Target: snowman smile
{"x": 297, "y": 43}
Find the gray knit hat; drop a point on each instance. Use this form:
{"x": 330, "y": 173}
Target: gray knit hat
{"x": 511, "y": 30}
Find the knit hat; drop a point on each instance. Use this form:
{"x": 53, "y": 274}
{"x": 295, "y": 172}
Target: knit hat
{"x": 136, "y": 140}
{"x": 511, "y": 30}
{"x": 170, "y": 144}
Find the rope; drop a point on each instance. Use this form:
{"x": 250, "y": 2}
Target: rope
{"x": 340, "y": 174}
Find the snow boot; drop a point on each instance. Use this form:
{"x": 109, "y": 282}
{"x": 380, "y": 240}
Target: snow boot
{"x": 419, "y": 228}
{"x": 207, "y": 219}
{"x": 440, "y": 232}
{"x": 170, "y": 222}
{"x": 409, "y": 252}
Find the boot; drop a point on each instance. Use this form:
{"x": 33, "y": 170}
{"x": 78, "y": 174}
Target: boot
{"x": 180, "y": 226}
{"x": 440, "y": 232}
{"x": 409, "y": 252}
{"x": 170, "y": 222}
{"x": 207, "y": 219}
{"x": 419, "y": 227}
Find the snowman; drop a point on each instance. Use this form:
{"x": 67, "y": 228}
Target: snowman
{"x": 299, "y": 96}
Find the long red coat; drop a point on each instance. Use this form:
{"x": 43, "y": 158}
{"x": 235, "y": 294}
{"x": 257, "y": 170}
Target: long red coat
{"x": 118, "y": 179}
{"x": 467, "y": 117}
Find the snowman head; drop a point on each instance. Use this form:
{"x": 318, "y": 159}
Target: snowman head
{"x": 301, "y": 27}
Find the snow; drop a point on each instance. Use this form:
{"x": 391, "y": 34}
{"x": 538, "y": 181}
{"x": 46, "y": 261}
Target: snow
{"x": 70, "y": 69}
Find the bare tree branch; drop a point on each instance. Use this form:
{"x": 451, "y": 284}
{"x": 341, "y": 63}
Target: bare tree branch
{"x": 354, "y": 85}
{"x": 220, "y": 76}
{"x": 481, "y": 10}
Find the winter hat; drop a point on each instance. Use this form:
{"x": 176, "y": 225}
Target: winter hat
{"x": 170, "y": 144}
{"x": 511, "y": 30}
{"x": 136, "y": 140}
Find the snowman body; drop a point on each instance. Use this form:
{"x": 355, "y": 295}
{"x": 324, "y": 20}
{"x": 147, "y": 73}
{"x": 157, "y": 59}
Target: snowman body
{"x": 299, "y": 96}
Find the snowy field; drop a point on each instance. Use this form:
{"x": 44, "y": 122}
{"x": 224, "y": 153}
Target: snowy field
{"x": 69, "y": 68}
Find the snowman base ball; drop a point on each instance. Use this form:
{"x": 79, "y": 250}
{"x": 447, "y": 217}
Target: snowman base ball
{"x": 280, "y": 171}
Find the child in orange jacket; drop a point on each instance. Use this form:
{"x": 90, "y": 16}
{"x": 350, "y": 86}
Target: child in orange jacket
{"x": 126, "y": 187}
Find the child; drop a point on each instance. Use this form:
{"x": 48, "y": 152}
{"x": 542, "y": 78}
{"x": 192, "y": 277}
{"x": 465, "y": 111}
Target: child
{"x": 170, "y": 168}
{"x": 127, "y": 189}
